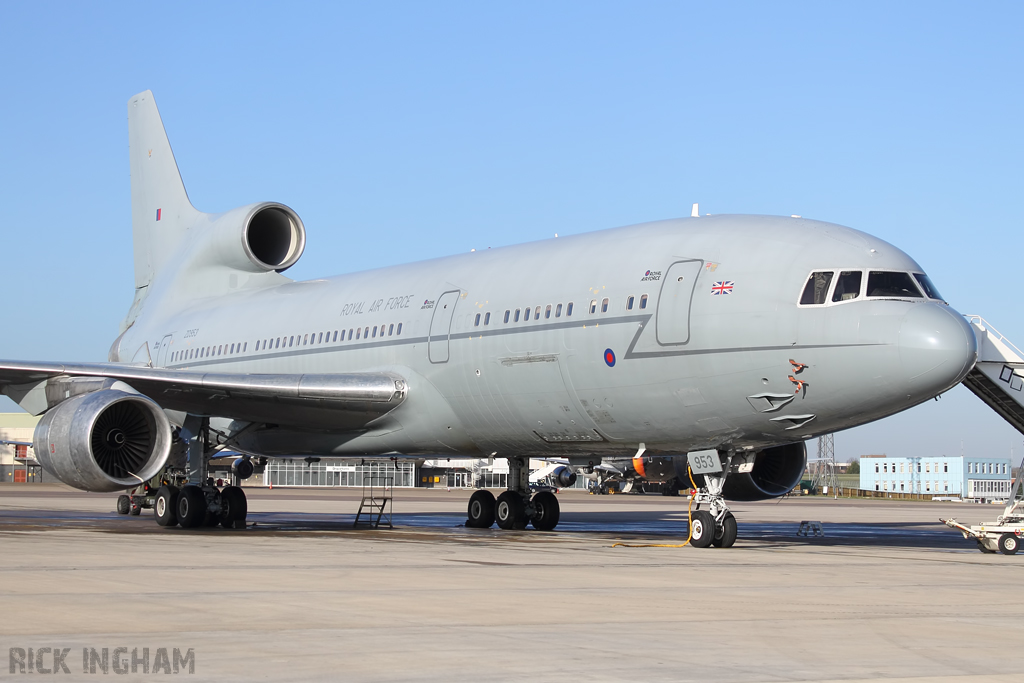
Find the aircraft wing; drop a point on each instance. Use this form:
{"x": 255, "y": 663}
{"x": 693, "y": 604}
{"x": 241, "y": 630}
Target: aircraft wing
{"x": 335, "y": 401}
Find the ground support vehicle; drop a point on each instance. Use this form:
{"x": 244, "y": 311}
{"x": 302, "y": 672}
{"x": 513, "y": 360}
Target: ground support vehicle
{"x": 1006, "y": 533}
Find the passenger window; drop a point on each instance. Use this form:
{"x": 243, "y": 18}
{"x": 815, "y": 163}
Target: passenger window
{"x": 487, "y": 318}
{"x": 526, "y": 314}
{"x": 391, "y": 329}
{"x": 927, "y": 286}
{"x": 358, "y": 332}
{"x": 547, "y": 312}
{"x": 245, "y": 346}
{"x": 350, "y": 334}
{"x": 887, "y": 284}
{"x": 516, "y": 316}
{"x": 374, "y": 331}
{"x": 506, "y": 316}
{"x": 320, "y": 338}
{"x": 476, "y": 322}
{"x": 629, "y": 303}
{"x": 232, "y": 349}
{"x": 604, "y": 306}
{"x": 536, "y": 313}
{"x": 220, "y": 350}
{"x": 593, "y": 305}
{"x": 847, "y": 285}
{"x": 558, "y": 311}
{"x": 366, "y": 333}
{"x": 816, "y": 288}
{"x": 291, "y": 341}
{"x": 568, "y": 309}
{"x": 643, "y": 302}
{"x": 399, "y": 330}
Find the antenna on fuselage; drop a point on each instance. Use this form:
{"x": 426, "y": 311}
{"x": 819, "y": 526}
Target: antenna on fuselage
{"x": 694, "y": 212}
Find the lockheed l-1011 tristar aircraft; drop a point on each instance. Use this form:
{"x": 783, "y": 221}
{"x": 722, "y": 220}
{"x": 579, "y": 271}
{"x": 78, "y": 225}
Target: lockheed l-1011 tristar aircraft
{"x": 745, "y": 335}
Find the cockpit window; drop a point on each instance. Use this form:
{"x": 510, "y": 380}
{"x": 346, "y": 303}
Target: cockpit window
{"x": 847, "y": 285}
{"x": 816, "y": 290}
{"x": 927, "y": 286}
{"x": 883, "y": 283}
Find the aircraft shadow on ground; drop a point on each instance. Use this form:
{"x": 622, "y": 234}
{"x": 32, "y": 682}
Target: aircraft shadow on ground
{"x": 629, "y": 526}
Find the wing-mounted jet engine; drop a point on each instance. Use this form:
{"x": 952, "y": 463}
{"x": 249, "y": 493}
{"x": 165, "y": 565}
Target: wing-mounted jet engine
{"x": 105, "y": 440}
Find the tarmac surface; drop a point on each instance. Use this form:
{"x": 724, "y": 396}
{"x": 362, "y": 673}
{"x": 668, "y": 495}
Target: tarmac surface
{"x": 887, "y": 593}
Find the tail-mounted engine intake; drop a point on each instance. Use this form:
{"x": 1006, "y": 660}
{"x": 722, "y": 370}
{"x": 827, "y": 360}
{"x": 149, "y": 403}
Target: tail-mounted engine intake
{"x": 107, "y": 440}
{"x": 258, "y": 238}
{"x": 774, "y": 473}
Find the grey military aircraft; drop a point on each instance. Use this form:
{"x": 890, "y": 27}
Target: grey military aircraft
{"x": 742, "y": 334}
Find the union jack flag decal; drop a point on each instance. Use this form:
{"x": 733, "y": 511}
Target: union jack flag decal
{"x": 724, "y": 287}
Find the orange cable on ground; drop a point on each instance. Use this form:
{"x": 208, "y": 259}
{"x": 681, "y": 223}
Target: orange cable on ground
{"x": 689, "y": 524}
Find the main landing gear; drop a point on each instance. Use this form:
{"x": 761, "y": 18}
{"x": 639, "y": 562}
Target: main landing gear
{"x": 195, "y": 506}
{"x": 514, "y": 508}
{"x": 199, "y": 503}
{"x": 715, "y": 526}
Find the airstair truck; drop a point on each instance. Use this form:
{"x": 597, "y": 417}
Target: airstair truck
{"x": 998, "y": 380}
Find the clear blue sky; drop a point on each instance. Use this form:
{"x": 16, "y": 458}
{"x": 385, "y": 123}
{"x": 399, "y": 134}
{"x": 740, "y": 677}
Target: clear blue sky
{"x": 400, "y": 131}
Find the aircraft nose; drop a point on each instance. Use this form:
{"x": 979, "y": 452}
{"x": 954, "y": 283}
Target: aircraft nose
{"x": 937, "y": 347}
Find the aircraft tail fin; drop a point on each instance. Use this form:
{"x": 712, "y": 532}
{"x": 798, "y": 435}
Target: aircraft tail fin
{"x": 161, "y": 211}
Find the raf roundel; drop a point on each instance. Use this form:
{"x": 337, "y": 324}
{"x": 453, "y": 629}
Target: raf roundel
{"x": 609, "y": 358}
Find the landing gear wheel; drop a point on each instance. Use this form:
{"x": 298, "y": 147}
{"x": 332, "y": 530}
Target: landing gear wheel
{"x": 728, "y": 536}
{"x": 166, "y": 506}
{"x": 233, "y": 507}
{"x": 982, "y": 548}
{"x": 702, "y": 529}
{"x": 510, "y": 512}
{"x": 135, "y": 508}
{"x": 1009, "y": 544}
{"x": 191, "y": 507}
{"x": 123, "y": 504}
{"x": 545, "y": 511}
{"x": 481, "y": 510}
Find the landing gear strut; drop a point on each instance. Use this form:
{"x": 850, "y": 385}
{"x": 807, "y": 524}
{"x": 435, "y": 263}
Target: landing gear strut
{"x": 514, "y": 508}
{"x": 715, "y": 526}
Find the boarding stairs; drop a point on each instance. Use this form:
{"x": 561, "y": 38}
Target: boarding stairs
{"x": 998, "y": 376}
{"x": 376, "y": 504}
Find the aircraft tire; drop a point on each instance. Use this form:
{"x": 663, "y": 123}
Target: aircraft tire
{"x": 191, "y": 507}
{"x": 510, "y": 512}
{"x": 702, "y": 529}
{"x": 1009, "y": 544}
{"x": 123, "y": 504}
{"x": 728, "y": 537}
{"x": 135, "y": 509}
{"x": 166, "y": 506}
{"x": 481, "y": 510}
{"x": 546, "y": 511}
{"x": 233, "y": 506}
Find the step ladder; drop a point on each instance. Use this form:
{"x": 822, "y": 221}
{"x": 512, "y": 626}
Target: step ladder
{"x": 998, "y": 376}
{"x": 378, "y": 493}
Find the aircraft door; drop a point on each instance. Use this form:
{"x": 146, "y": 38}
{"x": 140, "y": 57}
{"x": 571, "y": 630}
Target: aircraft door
{"x": 673, "y": 316}
{"x": 440, "y": 326}
{"x": 163, "y": 354}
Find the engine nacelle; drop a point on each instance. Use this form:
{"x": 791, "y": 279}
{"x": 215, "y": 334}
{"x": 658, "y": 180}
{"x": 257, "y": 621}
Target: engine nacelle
{"x": 563, "y": 477}
{"x": 775, "y": 472}
{"x": 258, "y": 238}
{"x": 107, "y": 440}
{"x": 243, "y": 468}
